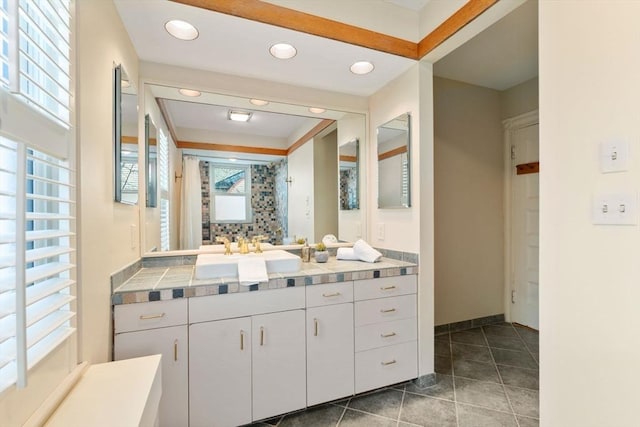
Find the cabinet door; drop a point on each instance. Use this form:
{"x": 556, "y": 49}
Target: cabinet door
{"x": 172, "y": 344}
{"x": 220, "y": 373}
{"x": 279, "y": 381}
{"x": 329, "y": 353}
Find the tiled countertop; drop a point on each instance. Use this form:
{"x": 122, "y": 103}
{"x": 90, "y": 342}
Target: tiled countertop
{"x": 169, "y": 282}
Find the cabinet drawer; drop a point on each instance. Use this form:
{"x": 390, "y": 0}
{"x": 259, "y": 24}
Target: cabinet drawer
{"x": 386, "y": 365}
{"x": 386, "y": 333}
{"x": 149, "y": 315}
{"x": 227, "y": 306}
{"x": 384, "y": 287}
{"x": 335, "y": 293}
{"x": 385, "y": 309}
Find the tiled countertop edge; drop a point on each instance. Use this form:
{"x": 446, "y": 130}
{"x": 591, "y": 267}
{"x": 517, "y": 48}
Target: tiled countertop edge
{"x": 129, "y": 297}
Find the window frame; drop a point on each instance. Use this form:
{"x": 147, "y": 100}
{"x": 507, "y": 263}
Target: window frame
{"x": 247, "y": 194}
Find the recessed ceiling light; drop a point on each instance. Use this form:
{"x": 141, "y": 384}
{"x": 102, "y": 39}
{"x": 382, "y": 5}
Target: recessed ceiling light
{"x": 239, "y": 116}
{"x": 181, "y": 29}
{"x": 316, "y": 110}
{"x": 232, "y": 159}
{"x": 361, "y": 67}
{"x": 189, "y": 92}
{"x": 283, "y": 51}
{"x": 259, "y": 102}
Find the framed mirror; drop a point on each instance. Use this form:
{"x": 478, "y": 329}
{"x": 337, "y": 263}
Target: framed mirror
{"x": 394, "y": 174}
{"x": 349, "y": 175}
{"x": 151, "y": 162}
{"x": 125, "y": 133}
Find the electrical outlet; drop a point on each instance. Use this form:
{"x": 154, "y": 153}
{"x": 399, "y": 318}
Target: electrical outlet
{"x": 615, "y": 209}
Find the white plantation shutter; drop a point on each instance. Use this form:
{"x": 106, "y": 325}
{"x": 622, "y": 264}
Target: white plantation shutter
{"x": 163, "y": 167}
{"x": 36, "y": 258}
{"x": 42, "y": 65}
{"x": 4, "y": 44}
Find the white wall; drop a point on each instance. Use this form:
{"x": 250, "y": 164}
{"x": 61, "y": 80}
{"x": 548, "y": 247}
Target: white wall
{"x": 519, "y": 99}
{"x": 400, "y": 225}
{"x": 589, "y": 274}
{"x": 325, "y": 179}
{"x": 469, "y": 219}
{"x": 301, "y": 196}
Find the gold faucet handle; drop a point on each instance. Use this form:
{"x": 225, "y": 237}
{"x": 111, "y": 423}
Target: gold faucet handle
{"x": 222, "y": 239}
{"x": 256, "y": 242}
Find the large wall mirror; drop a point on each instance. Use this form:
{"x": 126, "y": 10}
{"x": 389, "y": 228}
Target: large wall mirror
{"x": 349, "y": 180}
{"x": 125, "y": 138}
{"x": 289, "y": 151}
{"x": 394, "y": 175}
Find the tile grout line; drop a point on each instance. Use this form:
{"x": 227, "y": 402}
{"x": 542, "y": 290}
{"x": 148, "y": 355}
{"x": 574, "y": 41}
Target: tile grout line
{"x": 504, "y": 390}
{"x": 453, "y": 380}
{"x": 528, "y": 349}
{"x": 344, "y": 411}
{"x": 404, "y": 391}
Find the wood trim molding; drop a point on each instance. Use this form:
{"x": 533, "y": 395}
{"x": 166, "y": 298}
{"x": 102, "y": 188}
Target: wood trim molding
{"x": 527, "y": 168}
{"x": 130, "y": 139}
{"x": 307, "y": 136}
{"x": 467, "y": 13}
{"x": 348, "y": 159}
{"x": 391, "y": 153}
{"x": 279, "y": 16}
{"x": 232, "y": 148}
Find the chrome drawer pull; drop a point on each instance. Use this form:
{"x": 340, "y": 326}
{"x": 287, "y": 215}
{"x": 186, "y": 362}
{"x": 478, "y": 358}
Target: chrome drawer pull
{"x": 387, "y": 288}
{"x": 390, "y": 334}
{"x": 261, "y": 335}
{"x": 175, "y": 351}
{"x": 151, "y": 316}
{"x": 315, "y": 332}
{"x": 391, "y": 362}
{"x": 241, "y": 340}
{"x": 387, "y": 310}
{"x": 335, "y": 294}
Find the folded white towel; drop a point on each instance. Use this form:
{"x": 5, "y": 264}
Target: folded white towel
{"x": 346, "y": 254}
{"x": 365, "y": 252}
{"x": 252, "y": 270}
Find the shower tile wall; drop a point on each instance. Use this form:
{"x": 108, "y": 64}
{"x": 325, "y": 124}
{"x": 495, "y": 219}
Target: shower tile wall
{"x": 267, "y": 203}
{"x": 348, "y": 189}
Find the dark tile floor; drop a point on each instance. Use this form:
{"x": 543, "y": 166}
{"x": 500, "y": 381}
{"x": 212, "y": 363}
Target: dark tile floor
{"x": 485, "y": 377}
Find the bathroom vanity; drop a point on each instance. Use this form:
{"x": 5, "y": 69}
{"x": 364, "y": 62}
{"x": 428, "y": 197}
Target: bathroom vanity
{"x": 236, "y": 354}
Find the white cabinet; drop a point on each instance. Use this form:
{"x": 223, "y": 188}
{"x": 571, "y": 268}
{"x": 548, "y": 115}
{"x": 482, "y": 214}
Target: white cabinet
{"x": 385, "y": 319}
{"x": 246, "y": 368}
{"x": 279, "y": 380}
{"x": 169, "y": 340}
{"x": 329, "y": 353}
{"x": 220, "y": 373}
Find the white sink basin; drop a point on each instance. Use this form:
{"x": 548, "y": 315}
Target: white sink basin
{"x": 212, "y": 266}
{"x": 219, "y": 249}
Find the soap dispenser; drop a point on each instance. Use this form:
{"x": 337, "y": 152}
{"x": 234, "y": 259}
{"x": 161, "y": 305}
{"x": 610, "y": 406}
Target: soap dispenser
{"x": 306, "y": 252}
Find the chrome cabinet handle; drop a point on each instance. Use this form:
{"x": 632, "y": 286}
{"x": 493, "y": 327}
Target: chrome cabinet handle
{"x": 387, "y": 310}
{"x": 175, "y": 351}
{"x": 261, "y": 335}
{"x": 390, "y": 362}
{"x": 315, "y": 323}
{"x": 241, "y": 340}
{"x": 335, "y": 294}
{"x": 390, "y": 334}
{"x": 387, "y": 288}
{"x": 152, "y": 316}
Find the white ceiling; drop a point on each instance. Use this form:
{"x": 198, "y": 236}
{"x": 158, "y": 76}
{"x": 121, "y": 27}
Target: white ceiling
{"x": 500, "y": 57}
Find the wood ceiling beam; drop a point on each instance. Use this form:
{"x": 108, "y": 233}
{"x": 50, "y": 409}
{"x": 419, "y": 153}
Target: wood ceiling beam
{"x": 232, "y": 148}
{"x": 279, "y": 16}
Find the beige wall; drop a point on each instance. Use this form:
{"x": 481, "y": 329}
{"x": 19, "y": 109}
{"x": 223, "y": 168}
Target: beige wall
{"x": 301, "y": 192}
{"x": 589, "y": 274}
{"x": 519, "y": 99}
{"x": 469, "y": 221}
{"x": 104, "y": 231}
{"x": 325, "y": 179}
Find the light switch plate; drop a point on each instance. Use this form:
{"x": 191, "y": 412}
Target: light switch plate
{"x": 614, "y": 156}
{"x": 380, "y": 231}
{"x": 615, "y": 209}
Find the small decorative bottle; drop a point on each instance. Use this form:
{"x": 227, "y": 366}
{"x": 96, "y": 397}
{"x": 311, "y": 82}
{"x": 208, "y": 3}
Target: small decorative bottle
{"x": 306, "y": 252}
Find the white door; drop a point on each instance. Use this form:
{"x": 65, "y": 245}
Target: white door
{"x": 279, "y": 368}
{"x": 172, "y": 344}
{"x": 220, "y": 373}
{"x": 329, "y": 353}
{"x": 524, "y": 227}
